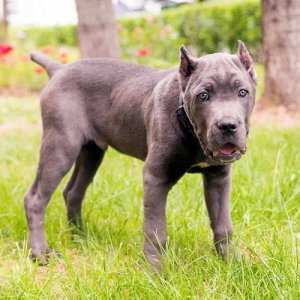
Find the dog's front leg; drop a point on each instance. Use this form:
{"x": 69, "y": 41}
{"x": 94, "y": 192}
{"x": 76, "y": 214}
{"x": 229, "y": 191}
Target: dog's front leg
{"x": 217, "y": 188}
{"x": 156, "y": 188}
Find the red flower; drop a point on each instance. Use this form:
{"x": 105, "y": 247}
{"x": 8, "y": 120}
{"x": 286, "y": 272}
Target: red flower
{"x": 48, "y": 50}
{"x": 39, "y": 70}
{"x": 5, "y": 49}
{"x": 142, "y": 52}
{"x": 63, "y": 55}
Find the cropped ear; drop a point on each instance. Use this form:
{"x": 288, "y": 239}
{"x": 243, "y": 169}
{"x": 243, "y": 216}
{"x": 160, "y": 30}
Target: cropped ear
{"x": 246, "y": 60}
{"x": 186, "y": 67}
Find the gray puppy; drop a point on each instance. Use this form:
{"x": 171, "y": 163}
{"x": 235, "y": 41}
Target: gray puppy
{"x": 192, "y": 119}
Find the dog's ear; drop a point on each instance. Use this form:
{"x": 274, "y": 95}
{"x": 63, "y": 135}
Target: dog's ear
{"x": 246, "y": 60}
{"x": 186, "y": 67}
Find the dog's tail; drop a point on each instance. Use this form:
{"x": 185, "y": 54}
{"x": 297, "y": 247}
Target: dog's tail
{"x": 51, "y": 66}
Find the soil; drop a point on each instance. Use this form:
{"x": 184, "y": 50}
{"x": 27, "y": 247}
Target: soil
{"x": 17, "y": 92}
{"x": 278, "y": 116}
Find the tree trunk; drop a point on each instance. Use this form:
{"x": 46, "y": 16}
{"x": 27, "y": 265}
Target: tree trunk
{"x": 4, "y": 21}
{"x": 97, "y": 30}
{"x": 281, "y": 45}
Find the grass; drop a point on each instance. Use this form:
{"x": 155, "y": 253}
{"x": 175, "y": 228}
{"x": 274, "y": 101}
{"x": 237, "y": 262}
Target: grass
{"x": 107, "y": 261}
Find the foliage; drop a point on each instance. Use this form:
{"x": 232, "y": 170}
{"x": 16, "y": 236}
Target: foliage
{"x": 106, "y": 261}
{"x": 54, "y": 36}
{"x": 205, "y": 27}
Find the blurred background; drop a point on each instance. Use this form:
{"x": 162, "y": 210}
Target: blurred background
{"x": 146, "y": 31}
{"x": 150, "y": 32}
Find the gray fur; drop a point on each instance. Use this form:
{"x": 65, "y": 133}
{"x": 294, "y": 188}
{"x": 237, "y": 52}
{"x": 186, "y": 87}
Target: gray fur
{"x": 95, "y": 103}
{"x": 50, "y": 66}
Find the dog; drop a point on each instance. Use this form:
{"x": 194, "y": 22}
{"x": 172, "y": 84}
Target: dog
{"x": 194, "y": 118}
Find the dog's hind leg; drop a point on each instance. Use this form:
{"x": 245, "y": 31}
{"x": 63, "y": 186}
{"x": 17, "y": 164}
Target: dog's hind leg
{"x": 87, "y": 163}
{"x": 57, "y": 155}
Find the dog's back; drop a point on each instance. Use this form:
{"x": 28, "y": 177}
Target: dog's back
{"x": 101, "y": 99}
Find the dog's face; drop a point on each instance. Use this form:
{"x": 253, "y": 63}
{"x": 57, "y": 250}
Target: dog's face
{"x": 219, "y": 94}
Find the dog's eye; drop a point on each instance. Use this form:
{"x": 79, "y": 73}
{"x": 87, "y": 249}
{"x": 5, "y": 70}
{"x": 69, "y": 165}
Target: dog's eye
{"x": 243, "y": 93}
{"x": 203, "y": 96}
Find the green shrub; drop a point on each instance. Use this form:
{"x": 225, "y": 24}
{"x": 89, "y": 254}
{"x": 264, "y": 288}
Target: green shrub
{"x": 205, "y": 27}
{"x": 54, "y": 36}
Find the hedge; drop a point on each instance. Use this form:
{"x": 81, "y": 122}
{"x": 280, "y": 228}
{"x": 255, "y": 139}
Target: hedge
{"x": 204, "y": 27}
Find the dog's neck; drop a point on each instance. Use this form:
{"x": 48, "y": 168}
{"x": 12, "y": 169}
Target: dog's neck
{"x": 183, "y": 119}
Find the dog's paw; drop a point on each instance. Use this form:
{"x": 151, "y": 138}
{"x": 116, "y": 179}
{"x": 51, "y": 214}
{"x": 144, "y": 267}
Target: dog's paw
{"x": 154, "y": 259}
{"x": 155, "y": 265}
{"x": 44, "y": 258}
{"x": 227, "y": 251}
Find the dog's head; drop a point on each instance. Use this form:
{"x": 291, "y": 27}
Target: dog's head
{"x": 219, "y": 95}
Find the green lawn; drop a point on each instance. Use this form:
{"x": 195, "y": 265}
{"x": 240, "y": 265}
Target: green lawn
{"x": 107, "y": 261}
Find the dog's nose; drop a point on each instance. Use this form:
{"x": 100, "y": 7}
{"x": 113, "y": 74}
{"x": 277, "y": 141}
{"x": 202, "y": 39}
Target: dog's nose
{"x": 227, "y": 127}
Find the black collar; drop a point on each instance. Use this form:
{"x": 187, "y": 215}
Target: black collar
{"x": 183, "y": 119}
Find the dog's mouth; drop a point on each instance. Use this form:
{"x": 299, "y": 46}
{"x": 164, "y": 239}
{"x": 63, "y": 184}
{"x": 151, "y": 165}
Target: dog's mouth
{"x": 227, "y": 153}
